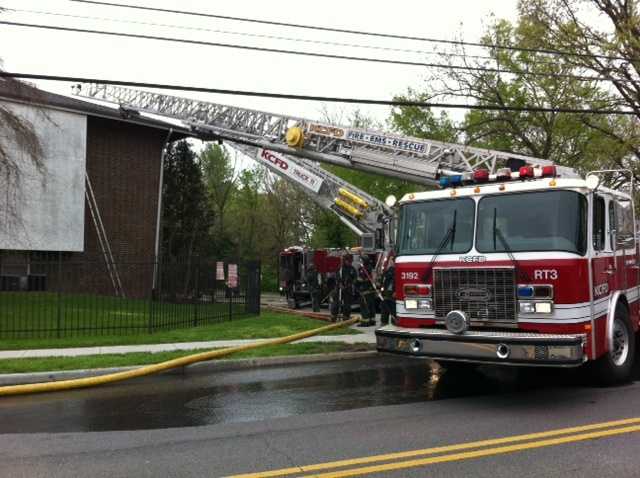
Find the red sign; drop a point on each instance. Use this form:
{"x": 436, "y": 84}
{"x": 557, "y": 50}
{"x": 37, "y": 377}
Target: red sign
{"x": 219, "y": 270}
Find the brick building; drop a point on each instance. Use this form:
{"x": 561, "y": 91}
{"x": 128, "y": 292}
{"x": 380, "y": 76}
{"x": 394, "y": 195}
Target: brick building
{"x": 56, "y": 225}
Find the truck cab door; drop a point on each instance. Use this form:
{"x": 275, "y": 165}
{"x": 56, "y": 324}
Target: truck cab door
{"x": 626, "y": 244}
{"x": 604, "y": 270}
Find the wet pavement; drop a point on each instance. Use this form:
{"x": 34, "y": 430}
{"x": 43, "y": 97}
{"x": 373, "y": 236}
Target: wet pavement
{"x": 196, "y": 398}
{"x": 212, "y": 423}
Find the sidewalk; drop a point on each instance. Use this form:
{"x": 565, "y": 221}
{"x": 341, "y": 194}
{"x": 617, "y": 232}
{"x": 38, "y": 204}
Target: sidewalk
{"x": 367, "y": 337}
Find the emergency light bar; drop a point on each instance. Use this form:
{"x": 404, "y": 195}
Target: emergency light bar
{"x": 504, "y": 174}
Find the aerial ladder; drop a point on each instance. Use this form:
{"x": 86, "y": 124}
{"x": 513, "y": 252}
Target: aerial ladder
{"x": 293, "y": 147}
{"x": 368, "y": 217}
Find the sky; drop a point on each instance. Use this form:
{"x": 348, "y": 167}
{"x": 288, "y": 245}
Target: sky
{"x": 80, "y": 54}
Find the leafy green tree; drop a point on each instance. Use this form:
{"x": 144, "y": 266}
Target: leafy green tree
{"x": 186, "y": 217}
{"x": 328, "y": 231}
{"x": 422, "y": 122}
{"x": 535, "y": 80}
{"x": 246, "y": 214}
{"x": 220, "y": 179}
{"x": 604, "y": 37}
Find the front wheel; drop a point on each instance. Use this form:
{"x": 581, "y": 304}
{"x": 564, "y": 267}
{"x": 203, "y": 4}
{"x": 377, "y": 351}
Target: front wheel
{"x": 616, "y": 365}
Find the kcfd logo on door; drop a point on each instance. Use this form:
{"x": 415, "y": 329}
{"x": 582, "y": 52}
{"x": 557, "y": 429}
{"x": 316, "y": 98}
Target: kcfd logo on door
{"x": 600, "y": 289}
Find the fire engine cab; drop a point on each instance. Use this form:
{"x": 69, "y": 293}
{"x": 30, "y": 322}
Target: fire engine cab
{"x": 517, "y": 268}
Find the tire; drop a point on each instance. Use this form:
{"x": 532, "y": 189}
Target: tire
{"x": 616, "y": 366}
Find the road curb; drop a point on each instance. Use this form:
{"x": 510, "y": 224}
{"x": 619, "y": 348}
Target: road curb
{"x": 220, "y": 365}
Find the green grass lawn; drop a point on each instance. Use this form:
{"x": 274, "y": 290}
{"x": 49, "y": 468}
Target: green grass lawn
{"x": 45, "y": 314}
{"x": 121, "y": 360}
{"x": 267, "y": 325}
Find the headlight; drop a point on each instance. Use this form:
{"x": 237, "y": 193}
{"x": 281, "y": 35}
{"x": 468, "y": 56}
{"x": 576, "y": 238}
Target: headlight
{"x": 540, "y": 307}
{"x": 527, "y": 308}
{"x": 417, "y": 304}
{"x": 544, "y": 307}
{"x": 424, "y": 304}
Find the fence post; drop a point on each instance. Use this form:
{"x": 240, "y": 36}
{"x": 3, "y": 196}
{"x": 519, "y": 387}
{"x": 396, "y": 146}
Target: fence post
{"x": 253, "y": 287}
{"x": 154, "y": 294}
{"x": 59, "y": 310}
{"x": 230, "y": 290}
{"x": 197, "y": 293}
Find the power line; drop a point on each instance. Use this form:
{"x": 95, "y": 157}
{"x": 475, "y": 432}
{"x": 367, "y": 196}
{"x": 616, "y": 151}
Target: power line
{"x": 306, "y": 53}
{"x": 355, "y": 32}
{"x": 327, "y": 99}
{"x": 251, "y": 35}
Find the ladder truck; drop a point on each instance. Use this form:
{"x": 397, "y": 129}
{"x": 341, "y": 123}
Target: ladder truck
{"x": 512, "y": 261}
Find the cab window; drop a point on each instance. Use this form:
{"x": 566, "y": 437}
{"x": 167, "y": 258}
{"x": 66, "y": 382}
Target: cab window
{"x": 599, "y": 224}
{"x": 624, "y": 225}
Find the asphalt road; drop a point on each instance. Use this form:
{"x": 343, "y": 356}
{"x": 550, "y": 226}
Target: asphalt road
{"x": 364, "y": 411}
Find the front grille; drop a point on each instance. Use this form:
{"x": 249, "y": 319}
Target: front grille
{"x": 487, "y": 295}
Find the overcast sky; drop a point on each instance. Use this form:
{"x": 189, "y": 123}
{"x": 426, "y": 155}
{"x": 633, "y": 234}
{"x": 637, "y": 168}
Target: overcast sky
{"x": 79, "y": 54}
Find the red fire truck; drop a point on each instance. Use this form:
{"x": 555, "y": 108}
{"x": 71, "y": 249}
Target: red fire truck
{"x": 295, "y": 262}
{"x": 515, "y": 261}
{"x": 518, "y": 268}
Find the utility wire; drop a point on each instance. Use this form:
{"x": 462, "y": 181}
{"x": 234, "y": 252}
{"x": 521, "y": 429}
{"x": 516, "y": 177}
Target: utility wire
{"x": 448, "y": 54}
{"x": 252, "y": 35}
{"x": 306, "y": 53}
{"x": 356, "y": 32}
{"x": 327, "y": 99}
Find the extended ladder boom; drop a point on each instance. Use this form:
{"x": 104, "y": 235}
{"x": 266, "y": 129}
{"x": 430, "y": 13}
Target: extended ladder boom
{"x": 417, "y": 160}
{"x": 365, "y": 215}
{"x": 290, "y": 146}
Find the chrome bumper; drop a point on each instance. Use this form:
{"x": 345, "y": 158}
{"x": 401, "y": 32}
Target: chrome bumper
{"x": 507, "y": 348}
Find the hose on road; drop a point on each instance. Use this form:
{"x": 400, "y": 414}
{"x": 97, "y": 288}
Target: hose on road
{"x": 162, "y": 366}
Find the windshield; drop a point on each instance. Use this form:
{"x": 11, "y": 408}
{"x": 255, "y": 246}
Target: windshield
{"x": 535, "y": 221}
{"x": 425, "y": 225}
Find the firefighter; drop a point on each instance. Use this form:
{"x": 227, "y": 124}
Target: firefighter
{"x": 367, "y": 293}
{"x": 344, "y": 291}
{"x": 388, "y": 305}
{"x": 314, "y": 287}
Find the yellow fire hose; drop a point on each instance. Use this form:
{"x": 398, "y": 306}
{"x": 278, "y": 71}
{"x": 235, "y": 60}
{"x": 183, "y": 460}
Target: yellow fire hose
{"x": 162, "y": 366}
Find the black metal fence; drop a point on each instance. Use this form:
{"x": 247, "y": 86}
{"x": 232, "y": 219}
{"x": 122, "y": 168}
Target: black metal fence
{"x": 59, "y": 295}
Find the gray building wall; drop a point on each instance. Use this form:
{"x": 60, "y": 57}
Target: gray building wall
{"x": 45, "y": 210}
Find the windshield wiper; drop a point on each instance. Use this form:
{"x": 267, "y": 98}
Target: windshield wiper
{"x": 498, "y": 233}
{"x": 449, "y": 237}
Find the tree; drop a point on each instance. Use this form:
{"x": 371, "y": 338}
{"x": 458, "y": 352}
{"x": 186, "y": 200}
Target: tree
{"x": 534, "y": 80}
{"x": 289, "y": 215}
{"x": 26, "y": 140}
{"x": 246, "y": 214}
{"x": 185, "y": 217}
{"x": 220, "y": 180}
{"x": 422, "y": 122}
{"x": 609, "y": 48}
